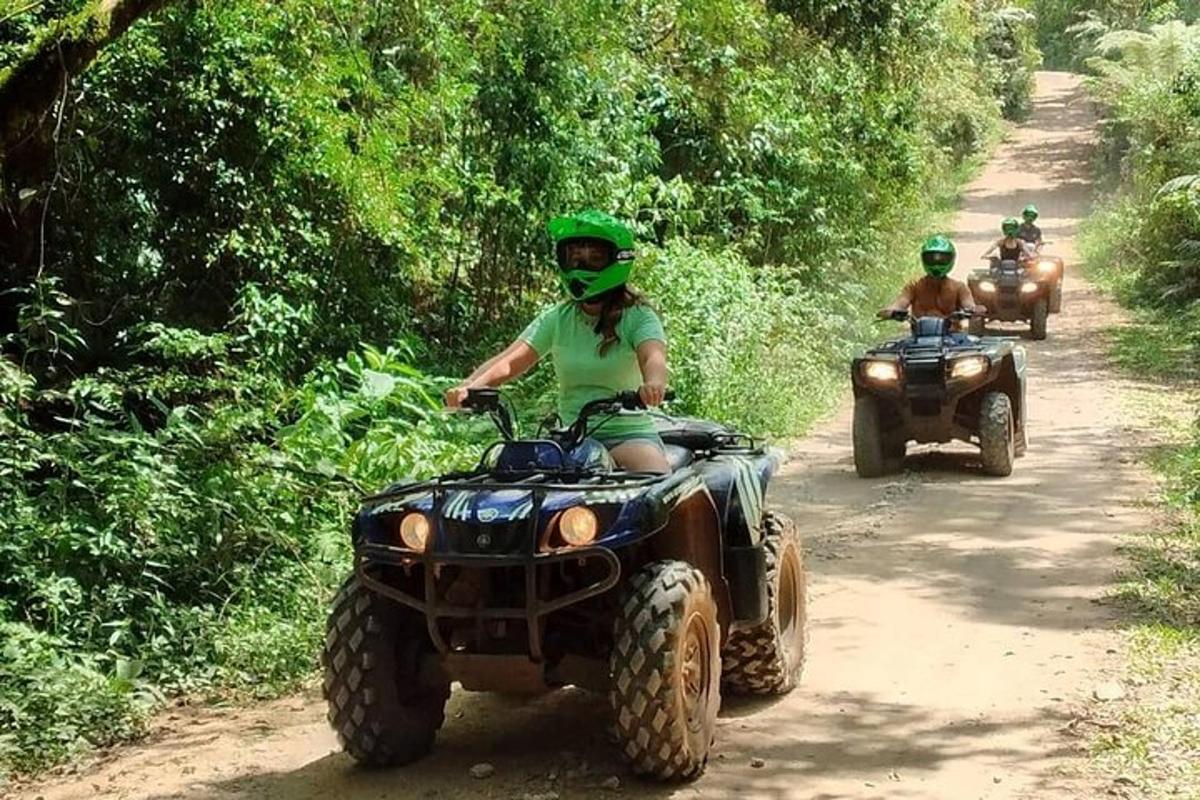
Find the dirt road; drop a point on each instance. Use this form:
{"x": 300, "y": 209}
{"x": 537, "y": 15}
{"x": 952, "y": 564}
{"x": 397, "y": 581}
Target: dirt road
{"x": 955, "y": 628}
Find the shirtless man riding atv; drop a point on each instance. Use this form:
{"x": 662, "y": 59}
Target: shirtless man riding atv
{"x": 936, "y": 294}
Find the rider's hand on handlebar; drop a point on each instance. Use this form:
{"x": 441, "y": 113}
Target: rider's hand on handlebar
{"x": 454, "y": 397}
{"x": 652, "y": 395}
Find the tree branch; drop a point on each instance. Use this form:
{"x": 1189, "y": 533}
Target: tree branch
{"x": 29, "y": 89}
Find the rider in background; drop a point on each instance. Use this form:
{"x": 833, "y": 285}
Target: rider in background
{"x": 1011, "y": 247}
{"x": 936, "y": 294}
{"x": 602, "y": 339}
{"x": 1028, "y": 231}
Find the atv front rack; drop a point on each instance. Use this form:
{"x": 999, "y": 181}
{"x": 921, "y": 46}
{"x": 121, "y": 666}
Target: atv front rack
{"x": 539, "y": 485}
{"x": 532, "y": 612}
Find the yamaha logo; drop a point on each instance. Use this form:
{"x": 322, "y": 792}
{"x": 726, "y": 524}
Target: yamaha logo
{"x": 483, "y": 540}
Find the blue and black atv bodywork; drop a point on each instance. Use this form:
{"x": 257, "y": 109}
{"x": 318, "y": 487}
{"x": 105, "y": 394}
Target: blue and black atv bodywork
{"x": 547, "y": 566}
{"x": 936, "y": 385}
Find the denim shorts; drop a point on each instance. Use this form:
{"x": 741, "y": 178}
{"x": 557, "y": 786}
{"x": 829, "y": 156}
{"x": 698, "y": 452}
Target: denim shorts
{"x": 652, "y": 439}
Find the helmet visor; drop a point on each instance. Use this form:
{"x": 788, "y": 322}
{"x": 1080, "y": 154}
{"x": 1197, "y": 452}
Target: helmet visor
{"x": 937, "y": 258}
{"x": 586, "y": 254}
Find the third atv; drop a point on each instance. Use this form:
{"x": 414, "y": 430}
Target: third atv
{"x": 1013, "y": 291}
{"x": 934, "y": 386}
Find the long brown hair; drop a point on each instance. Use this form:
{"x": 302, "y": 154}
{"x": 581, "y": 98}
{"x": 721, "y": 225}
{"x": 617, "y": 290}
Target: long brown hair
{"x": 613, "y": 305}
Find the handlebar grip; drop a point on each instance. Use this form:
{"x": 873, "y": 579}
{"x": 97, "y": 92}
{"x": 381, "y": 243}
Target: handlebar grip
{"x": 481, "y": 399}
{"x": 632, "y": 401}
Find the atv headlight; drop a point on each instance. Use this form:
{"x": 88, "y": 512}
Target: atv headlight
{"x": 882, "y": 371}
{"x": 414, "y": 531}
{"x": 1028, "y": 287}
{"x": 987, "y": 286}
{"x": 969, "y": 367}
{"x": 578, "y": 526}
{"x": 1047, "y": 266}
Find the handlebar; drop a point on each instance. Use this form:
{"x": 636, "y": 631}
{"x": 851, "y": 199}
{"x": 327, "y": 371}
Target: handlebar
{"x": 904, "y": 316}
{"x": 489, "y": 401}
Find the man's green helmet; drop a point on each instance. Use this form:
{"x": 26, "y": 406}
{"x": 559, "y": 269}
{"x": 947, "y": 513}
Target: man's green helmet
{"x": 1030, "y": 213}
{"x": 938, "y": 255}
{"x": 584, "y": 281}
{"x": 1010, "y": 226}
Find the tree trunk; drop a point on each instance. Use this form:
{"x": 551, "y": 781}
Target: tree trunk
{"x": 30, "y": 94}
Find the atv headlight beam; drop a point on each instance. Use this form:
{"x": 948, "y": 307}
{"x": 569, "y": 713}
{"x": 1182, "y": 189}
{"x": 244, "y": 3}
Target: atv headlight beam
{"x": 969, "y": 367}
{"x": 414, "y": 531}
{"x": 882, "y": 371}
{"x": 578, "y": 526}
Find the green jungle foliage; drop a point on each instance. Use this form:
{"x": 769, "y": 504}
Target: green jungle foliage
{"x": 1067, "y": 30}
{"x": 1144, "y": 243}
{"x": 275, "y": 230}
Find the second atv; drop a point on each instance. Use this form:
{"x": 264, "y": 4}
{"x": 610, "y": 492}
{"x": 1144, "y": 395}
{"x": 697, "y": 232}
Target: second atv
{"x": 1011, "y": 292}
{"x": 546, "y": 566}
{"x": 937, "y": 385}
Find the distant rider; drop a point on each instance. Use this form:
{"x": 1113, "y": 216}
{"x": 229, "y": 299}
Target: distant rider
{"x": 1010, "y": 246}
{"x": 936, "y": 294}
{"x": 1028, "y": 231}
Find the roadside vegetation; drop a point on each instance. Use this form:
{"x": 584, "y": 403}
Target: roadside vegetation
{"x": 1143, "y": 244}
{"x": 245, "y": 245}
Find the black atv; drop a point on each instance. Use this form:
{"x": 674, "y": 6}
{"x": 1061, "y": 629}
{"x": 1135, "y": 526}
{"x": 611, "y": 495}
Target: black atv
{"x": 546, "y": 566}
{"x": 936, "y": 385}
{"x": 1012, "y": 292}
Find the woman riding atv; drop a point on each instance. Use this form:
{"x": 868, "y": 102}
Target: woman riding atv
{"x": 1011, "y": 247}
{"x": 603, "y": 340}
{"x": 1028, "y": 231}
{"x": 936, "y": 294}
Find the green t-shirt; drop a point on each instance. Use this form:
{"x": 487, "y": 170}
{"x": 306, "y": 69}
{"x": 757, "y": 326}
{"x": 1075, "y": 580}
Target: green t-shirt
{"x": 567, "y": 335}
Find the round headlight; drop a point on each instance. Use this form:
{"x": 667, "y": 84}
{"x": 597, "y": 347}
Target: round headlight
{"x": 987, "y": 286}
{"x": 578, "y": 526}
{"x": 881, "y": 370}
{"x": 1046, "y": 266}
{"x": 1028, "y": 287}
{"x": 968, "y": 367}
{"x": 414, "y": 531}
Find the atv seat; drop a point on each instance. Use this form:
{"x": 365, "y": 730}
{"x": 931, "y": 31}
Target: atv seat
{"x": 678, "y": 457}
{"x": 691, "y": 433}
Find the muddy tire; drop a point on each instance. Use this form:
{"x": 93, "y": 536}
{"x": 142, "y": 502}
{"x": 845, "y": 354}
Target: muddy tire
{"x": 768, "y": 658}
{"x": 666, "y": 668}
{"x": 874, "y": 454}
{"x": 996, "y": 440}
{"x": 1037, "y": 323}
{"x": 976, "y": 326}
{"x": 382, "y": 710}
{"x": 1056, "y": 297}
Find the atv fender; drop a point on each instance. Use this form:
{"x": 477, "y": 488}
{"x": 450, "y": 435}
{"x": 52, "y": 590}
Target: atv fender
{"x": 693, "y": 534}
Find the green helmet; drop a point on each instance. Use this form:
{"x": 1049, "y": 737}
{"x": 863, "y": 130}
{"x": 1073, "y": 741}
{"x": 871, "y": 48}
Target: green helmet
{"x": 583, "y": 282}
{"x": 938, "y": 255}
{"x": 1030, "y": 213}
{"x": 1010, "y": 226}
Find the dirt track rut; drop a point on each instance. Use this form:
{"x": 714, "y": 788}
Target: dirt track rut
{"x": 956, "y": 628}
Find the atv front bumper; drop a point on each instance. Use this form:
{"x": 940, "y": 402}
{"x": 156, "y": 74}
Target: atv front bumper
{"x": 535, "y": 607}
{"x": 1011, "y": 305}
